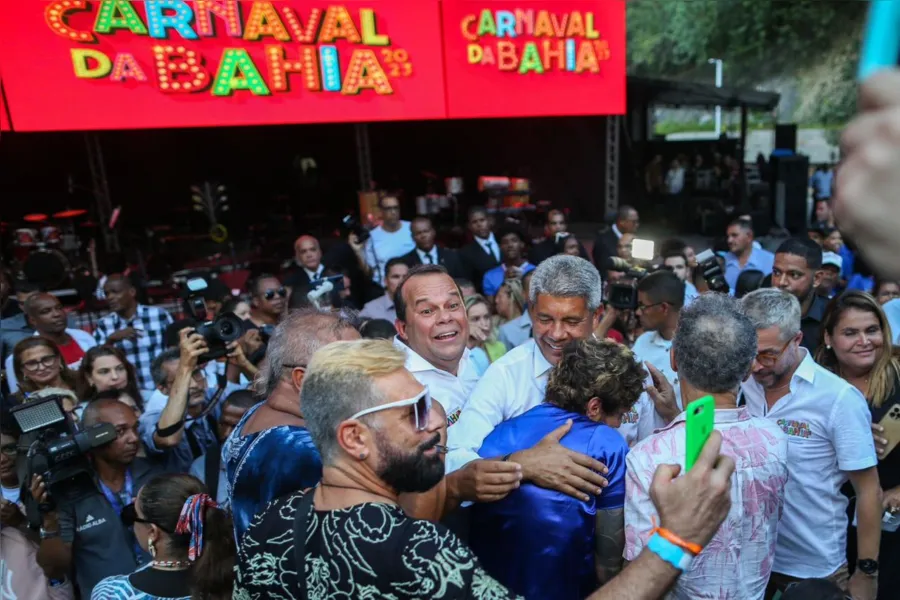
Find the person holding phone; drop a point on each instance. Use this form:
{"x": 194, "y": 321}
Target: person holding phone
{"x": 857, "y": 347}
{"x": 711, "y": 354}
{"x": 828, "y": 425}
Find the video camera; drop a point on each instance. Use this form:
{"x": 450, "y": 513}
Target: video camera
{"x": 56, "y": 450}
{"x": 711, "y": 270}
{"x": 219, "y": 332}
{"x": 622, "y": 294}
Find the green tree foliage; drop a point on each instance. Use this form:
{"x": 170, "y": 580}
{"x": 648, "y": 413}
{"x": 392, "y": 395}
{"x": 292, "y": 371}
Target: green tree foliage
{"x": 758, "y": 39}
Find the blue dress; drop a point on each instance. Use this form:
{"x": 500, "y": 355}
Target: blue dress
{"x": 538, "y": 542}
{"x": 265, "y": 465}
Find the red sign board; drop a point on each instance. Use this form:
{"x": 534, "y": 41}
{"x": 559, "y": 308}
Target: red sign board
{"x": 77, "y": 64}
{"x": 126, "y": 64}
{"x": 534, "y": 58}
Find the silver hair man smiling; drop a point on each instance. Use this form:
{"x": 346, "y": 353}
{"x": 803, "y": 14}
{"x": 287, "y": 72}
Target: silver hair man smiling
{"x": 564, "y": 304}
{"x": 713, "y": 352}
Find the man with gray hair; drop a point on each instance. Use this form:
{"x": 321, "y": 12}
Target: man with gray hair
{"x": 712, "y": 353}
{"x": 270, "y": 452}
{"x": 564, "y": 303}
{"x": 828, "y": 425}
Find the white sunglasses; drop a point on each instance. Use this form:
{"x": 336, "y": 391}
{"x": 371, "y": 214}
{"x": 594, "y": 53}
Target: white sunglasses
{"x": 420, "y": 414}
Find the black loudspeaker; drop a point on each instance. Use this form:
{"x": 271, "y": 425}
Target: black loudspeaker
{"x": 790, "y": 188}
{"x": 786, "y": 137}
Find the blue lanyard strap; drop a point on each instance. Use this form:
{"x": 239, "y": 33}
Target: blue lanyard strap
{"x": 113, "y": 498}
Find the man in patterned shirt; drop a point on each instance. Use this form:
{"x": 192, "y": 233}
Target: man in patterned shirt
{"x": 713, "y": 351}
{"x": 137, "y": 329}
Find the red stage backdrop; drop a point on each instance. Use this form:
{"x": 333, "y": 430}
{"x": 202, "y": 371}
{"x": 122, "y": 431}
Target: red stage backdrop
{"x": 125, "y": 64}
{"x": 114, "y": 64}
{"x": 533, "y": 58}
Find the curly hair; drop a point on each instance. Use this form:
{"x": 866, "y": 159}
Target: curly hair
{"x": 594, "y": 368}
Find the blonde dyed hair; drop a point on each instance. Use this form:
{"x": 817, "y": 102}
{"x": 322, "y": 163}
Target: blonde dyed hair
{"x": 340, "y": 382}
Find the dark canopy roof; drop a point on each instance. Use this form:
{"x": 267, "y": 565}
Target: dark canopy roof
{"x": 644, "y": 90}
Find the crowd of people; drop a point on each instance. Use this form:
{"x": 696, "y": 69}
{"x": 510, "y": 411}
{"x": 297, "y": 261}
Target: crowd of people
{"x": 489, "y": 425}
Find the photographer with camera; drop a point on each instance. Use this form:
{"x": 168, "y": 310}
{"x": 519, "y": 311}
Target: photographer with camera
{"x": 174, "y": 426}
{"x": 90, "y": 521}
{"x": 25, "y": 580}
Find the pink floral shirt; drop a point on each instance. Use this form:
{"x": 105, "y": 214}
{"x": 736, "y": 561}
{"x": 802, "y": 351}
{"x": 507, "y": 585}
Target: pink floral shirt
{"x": 737, "y": 562}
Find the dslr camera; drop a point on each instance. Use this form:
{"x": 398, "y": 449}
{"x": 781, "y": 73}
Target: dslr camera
{"x": 709, "y": 266}
{"x": 219, "y": 332}
{"x": 352, "y": 225}
{"x": 56, "y": 450}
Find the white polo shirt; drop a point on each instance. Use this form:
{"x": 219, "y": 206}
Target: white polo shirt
{"x": 655, "y": 349}
{"x": 828, "y": 425}
{"x": 511, "y": 386}
{"x": 452, "y": 391}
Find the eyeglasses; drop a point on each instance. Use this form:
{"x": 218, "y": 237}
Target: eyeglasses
{"x": 768, "y": 359}
{"x": 9, "y": 449}
{"x": 47, "y": 362}
{"x": 129, "y": 518}
{"x": 646, "y": 306}
{"x": 271, "y": 293}
{"x": 422, "y": 403}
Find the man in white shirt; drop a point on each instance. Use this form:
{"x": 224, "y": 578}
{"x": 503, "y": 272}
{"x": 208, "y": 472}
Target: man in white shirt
{"x": 389, "y": 240}
{"x": 660, "y": 299}
{"x": 564, "y": 300}
{"x": 383, "y": 306}
{"x": 433, "y": 331}
{"x": 828, "y": 426}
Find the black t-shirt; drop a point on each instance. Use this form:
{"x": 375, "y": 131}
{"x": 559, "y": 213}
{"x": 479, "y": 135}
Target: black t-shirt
{"x": 371, "y": 550}
{"x": 889, "y": 466}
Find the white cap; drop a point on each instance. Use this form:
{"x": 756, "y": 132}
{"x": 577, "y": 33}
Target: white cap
{"x": 835, "y": 260}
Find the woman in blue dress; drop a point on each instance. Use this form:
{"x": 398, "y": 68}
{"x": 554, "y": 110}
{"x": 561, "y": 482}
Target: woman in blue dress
{"x": 189, "y": 538}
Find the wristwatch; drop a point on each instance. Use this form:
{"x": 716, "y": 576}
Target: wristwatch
{"x": 868, "y": 566}
{"x": 47, "y": 534}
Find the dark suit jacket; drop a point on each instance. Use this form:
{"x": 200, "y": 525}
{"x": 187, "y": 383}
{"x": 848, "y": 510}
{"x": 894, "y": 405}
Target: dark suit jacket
{"x": 606, "y": 244}
{"x": 547, "y": 248}
{"x": 446, "y": 258}
{"x": 477, "y": 262}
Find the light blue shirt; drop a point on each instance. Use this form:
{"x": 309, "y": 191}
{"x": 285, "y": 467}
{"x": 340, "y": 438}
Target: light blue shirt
{"x": 821, "y": 182}
{"x": 760, "y": 260}
{"x": 516, "y": 332}
{"x": 892, "y": 311}
{"x": 690, "y": 293}
{"x": 383, "y": 245}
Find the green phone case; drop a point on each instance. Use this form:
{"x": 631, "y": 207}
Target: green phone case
{"x": 699, "y": 426}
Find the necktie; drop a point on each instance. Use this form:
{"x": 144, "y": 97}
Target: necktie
{"x": 490, "y": 249}
{"x": 428, "y": 258}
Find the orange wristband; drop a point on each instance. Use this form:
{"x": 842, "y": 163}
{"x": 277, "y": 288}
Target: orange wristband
{"x": 694, "y": 549}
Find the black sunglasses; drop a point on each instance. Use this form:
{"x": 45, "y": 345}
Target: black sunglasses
{"x": 271, "y": 293}
{"x": 129, "y": 518}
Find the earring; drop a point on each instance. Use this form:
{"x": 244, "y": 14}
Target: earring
{"x": 362, "y": 456}
{"x": 151, "y": 547}
{"x": 828, "y": 346}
